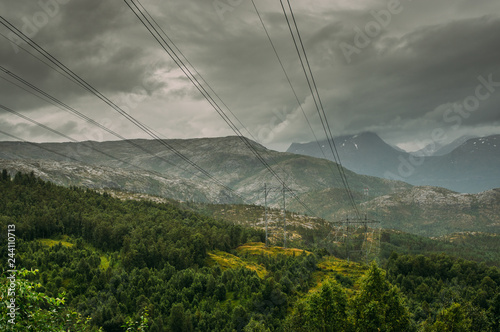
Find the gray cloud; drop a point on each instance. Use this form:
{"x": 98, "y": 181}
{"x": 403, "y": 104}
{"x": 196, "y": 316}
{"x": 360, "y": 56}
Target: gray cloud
{"x": 430, "y": 55}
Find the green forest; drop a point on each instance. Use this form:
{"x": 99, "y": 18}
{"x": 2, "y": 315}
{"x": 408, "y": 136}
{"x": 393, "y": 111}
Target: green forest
{"x": 86, "y": 261}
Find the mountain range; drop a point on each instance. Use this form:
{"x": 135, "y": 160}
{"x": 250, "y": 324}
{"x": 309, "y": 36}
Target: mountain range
{"x": 440, "y": 149}
{"x": 465, "y": 165}
{"x": 163, "y": 173}
{"x": 121, "y": 166}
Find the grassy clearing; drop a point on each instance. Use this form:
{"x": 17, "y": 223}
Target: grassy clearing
{"x": 104, "y": 263}
{"x": 340, "y": 266}
{"x": 228, "y": 261}
{"x": 51, "y": 243}
{"x": 329, "y": 268}
{"x": 259, "y": 248}
{"x": 334, "y": 268}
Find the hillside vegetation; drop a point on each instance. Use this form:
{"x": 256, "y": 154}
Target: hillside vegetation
{"x": 311, "y": 232}
{"x": 103, "y": 263}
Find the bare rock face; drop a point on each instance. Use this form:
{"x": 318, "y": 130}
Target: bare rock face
{"x": 102, "y": 177}
{"x": 434, "y": 211}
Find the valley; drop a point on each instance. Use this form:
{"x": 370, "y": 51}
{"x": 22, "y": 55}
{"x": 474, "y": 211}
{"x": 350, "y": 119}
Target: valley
{"x": 114, "y": 261}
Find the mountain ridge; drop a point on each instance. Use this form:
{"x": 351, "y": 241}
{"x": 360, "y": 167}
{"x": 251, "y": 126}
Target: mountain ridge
{"x": 463, "y": 169}
{"x": 228, "y": 160}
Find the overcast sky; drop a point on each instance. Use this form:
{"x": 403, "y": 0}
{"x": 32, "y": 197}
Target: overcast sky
{"x": 410, "y": 71}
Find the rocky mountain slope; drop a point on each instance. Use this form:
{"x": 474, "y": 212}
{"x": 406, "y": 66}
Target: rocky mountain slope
{"x": 227, "y": 159}
{"x": 472, "y": 167}
{"x": 103, "y": 177}
{"x": 438, "y": 149}
{"x": 433, "y": 211}
{"x": 365, "y": 153}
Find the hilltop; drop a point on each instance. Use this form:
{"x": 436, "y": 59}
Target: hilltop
{"x": 227, "y": 158}
{"x": 432, "y": 211}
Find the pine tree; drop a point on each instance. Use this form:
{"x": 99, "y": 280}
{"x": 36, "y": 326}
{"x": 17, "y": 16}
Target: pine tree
{"x": 379, "y": 306}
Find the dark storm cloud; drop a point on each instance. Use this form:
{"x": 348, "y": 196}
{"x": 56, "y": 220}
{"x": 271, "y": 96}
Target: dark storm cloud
{"x": 414, "y": 74}
{"x": 397, "y": 80}
{"x": 93, "y": 38}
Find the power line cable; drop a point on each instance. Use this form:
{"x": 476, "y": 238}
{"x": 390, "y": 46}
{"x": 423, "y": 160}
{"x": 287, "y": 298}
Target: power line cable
{"x": 89, "y": 88}
{"x": 319, "y": 105}
{"x": 88, "y": 145}
{"x": 205, "y": 81}
{"x": 75, "y": 78}
{"x": 37, "y": 57}
{"x": 56, "y": 102}
{"x": 59, "y": 133}
{"x": 284, "y": 70}
{"x": 178, "y": 61}
{"x": 71, "y": 74}
{"x": 69, "y": 109}
{"x": 289, "y": 81}
{"x": 94, "y": 91}
{"x": 39, "y": 146}
{"x": 63, "y": 74}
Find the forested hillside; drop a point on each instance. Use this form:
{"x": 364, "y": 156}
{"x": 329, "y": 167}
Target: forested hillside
{"x": 103, "y": 263}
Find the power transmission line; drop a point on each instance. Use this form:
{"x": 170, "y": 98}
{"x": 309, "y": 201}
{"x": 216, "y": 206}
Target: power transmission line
{"x": 77, "y": 79}
{"x": 98, "y": 94}
{"x": 143, "y": 18}
{"x": 289, "y": 81}
{"x": 39, "y": 146}
{"x": 324, "y": 115}
{"x": 347, "y": 223}
{"x": 65, "y": 75}
{"x": 86, "y": 144}
{"x": 284, "y": 71}
{"x": 56, "y": 102}
{"x": 67, "y": 137}
{"x": 198, "y": 74}
{"x": 318, "y": 103}
{"x": 59, "y": 133}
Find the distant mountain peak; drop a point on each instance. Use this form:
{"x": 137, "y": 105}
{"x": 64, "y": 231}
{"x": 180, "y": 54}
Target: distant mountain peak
{"x": 465, "y": 165}
{"x": 487, "y": 145}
